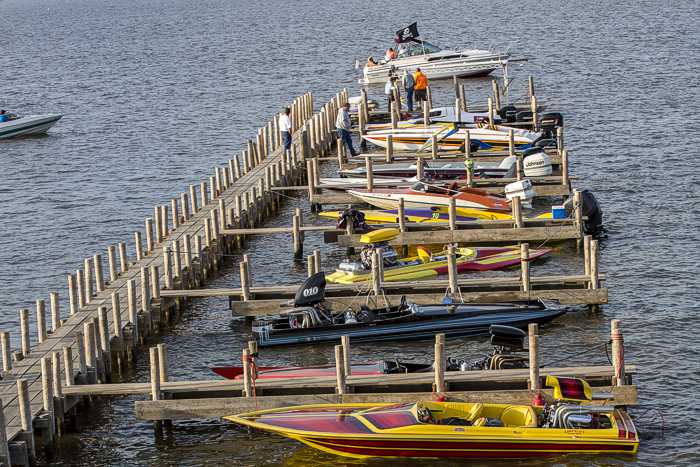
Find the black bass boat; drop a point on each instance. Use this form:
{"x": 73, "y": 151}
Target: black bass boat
{"x": 312, "y": 321}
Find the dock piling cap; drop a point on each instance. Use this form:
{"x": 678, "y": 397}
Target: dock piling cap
{"x": 380, "y": 235}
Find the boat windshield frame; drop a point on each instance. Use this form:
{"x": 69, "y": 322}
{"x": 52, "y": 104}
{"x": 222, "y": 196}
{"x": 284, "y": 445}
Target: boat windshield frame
{"x": 417, "y": 48}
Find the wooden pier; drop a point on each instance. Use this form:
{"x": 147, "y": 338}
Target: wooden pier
{"x": 118, "y": 302}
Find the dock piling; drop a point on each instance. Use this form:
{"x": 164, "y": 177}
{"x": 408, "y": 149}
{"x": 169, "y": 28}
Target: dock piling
{"x": 341, "y": 387}
{"x": 24, "y": 331}
{"x": 452, "y": 269}
{"x": 618, "y": 353}
{"x": 112, "y": 262}
{"x": 72, "y": 296}
{"x": 525, "y": 267}
{"x": 533, "y": 363}
{"x": 345, "y": 343}
{"x": 594, "y": 264}
{"x": 439, "y": 364}
{"x": 55, "y": 311}
{"x": 247, "y": 385}
{"x": 6, "y": 351}
{"x": 25, "y": 415}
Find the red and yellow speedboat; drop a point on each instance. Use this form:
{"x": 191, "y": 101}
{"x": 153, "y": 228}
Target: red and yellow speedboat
{"x": 452, "y": 429}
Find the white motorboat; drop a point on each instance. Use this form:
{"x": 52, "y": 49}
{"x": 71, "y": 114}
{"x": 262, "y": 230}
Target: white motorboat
{"x": 435, "y": 170}
{"x": 436, "y": 63}
{"x": 29, "y": 125}
{"x": 361, "y": 182}
{"x": 451, "y": 137}
{"x": 438, "y": 115}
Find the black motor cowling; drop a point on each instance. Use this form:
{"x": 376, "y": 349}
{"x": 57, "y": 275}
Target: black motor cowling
{"x": 312, "y": 291}
{"x": 550, "y": 120}
{"x": 591, "y": 209}
{"x": 507, "y": 336}
{"x": 508, "y": 113}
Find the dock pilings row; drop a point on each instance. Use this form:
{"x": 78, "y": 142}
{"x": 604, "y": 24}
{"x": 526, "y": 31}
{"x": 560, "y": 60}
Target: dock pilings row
{"x": 113, "y": 309}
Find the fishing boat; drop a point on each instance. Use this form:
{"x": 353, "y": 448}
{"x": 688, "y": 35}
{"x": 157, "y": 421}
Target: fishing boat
{"x": 430, "y": 215}
{"x": 434, "y": 62}
{"x": 422, "y": 196}
{"x": 311, "y": 320}
{"x": 451, "y": 137}
{"x": 427, "y": 263}
{"x": 29, "y": 125}
{"x": 507, "y": 353}
{"x": 435, "y": 429}
{"x": 434, "y": 170}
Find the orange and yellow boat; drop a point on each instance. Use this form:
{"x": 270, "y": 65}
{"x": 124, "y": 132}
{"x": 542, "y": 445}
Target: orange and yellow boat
{"x": 452, "y": 429}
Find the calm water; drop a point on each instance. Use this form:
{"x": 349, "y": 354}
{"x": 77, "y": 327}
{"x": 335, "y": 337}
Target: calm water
{"x": 156, "y": 93}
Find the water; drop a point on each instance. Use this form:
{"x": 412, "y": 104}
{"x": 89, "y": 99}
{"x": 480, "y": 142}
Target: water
{"x": 156, "y": 93}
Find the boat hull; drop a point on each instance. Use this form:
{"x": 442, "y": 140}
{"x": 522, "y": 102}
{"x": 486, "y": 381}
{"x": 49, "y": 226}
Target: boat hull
{"x": 389, "y": 199}
{"x": 25, "y": 126}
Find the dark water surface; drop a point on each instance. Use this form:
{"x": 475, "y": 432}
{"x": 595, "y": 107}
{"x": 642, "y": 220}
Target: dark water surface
{"x": 156, "y": 93}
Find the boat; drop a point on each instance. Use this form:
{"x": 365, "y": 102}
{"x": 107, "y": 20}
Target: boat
{"x": 434, "y": 62}
{"x": 508, "y": 346}
{"x": 432, "y": 170}
{"x": 422, "y": 196}
{"x": 29, "y": 125}
{"x": 341, "y": 183}
{"x": 451, "y": 137}
{"x": 446, "y": 429}
{"x": 430, "y": 215}
{"x": 426, "y": 263}
{"x": 311, "y": 320}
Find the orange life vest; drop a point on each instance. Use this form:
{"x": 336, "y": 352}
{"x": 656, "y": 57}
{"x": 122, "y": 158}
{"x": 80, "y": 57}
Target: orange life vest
{"x": 421, "y": 81}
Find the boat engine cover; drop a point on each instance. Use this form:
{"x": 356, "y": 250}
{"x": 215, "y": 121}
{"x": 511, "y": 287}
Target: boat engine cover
{"x": 521, "y": 188}
{"x": 507, "y": 336}
{"x": 537, "y": 165}
{"x": 312, "y": 291}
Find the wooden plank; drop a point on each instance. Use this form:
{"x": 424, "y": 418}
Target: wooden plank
{"x": 185, "y": 409}
{"x": 279, "y": 230}
{"x": 599, "y": 296}
{"x": 288, "y": 291}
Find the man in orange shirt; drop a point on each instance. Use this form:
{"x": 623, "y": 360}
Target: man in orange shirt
{"x": 421, "y": 86}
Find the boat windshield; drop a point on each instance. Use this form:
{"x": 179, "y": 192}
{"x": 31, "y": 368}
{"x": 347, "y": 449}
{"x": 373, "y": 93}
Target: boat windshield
{"x": 417, "y": 48}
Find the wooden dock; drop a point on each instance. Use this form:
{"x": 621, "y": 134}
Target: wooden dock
{"x": 118, "y": 302}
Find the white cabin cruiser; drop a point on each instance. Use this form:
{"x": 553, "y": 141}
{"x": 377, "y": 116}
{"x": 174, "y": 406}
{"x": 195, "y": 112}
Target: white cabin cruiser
{"x": 29, "y": 125}
{"x": 434, "y": 62}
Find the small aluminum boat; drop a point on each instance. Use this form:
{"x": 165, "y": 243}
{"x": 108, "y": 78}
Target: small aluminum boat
{"x": 29, "y": 125}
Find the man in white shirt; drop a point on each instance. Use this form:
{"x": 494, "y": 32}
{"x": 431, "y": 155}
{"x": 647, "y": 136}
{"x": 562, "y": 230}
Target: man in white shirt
{"x": 343, "y": 125}
{"x": 285, "y": 125}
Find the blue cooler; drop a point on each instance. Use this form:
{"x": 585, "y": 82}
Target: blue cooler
{"x": 558, "y": 212}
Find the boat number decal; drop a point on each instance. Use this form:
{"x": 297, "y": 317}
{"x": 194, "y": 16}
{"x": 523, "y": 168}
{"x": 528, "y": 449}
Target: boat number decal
{"x": 436, "y": 215}
{"x": 310, "y": 292}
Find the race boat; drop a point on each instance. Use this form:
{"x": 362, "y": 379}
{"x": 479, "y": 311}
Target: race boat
{"x": 311, "y": 320}
{"x": 341, "y": 183}
{"x": 433, "y": 170}
{"x": 432, "y": 215}
{"x": 436, "y": 429}
{"x": 426, "y": 263}
{"x": 29, "y": 125}
{"x": 451, "y": 137}
{"x": 422, "y": 196}
{"x": 434, "y": 62}
{"x": 507, "y": 353}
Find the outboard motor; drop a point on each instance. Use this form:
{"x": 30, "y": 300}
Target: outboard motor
{"x": 356, "y": 217}
{"x": 591, "y": 209}
{"x": 507, "y": 337}
{"x": 508, "y": 113}
{"x": 537, "y": 165}
{"x": 312, "y": 291}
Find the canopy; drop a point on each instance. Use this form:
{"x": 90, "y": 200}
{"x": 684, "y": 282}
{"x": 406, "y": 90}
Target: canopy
{"x": 407, "y": 34}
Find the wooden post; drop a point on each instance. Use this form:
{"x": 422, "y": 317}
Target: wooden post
{"x": 80, "y": 288}
{"x": 369, "y": 173}
{"x": 565, "y": 167}
{"x": 203, "y": 199}
{"x": 184, "y": 203}
{"x": 6, "y": 351}
{"x": 24, "y": 331}
{"x": 82, "y": 359}
{"x": 452, "y": 269}
{"x": 167, "y": 268}
{"x": 525, "y": 267}
{"x": 138, "y": 246}
{"x": 489, "y": 102}
{"x": 594, "y": 264}
{"x": 429, "y": 96}
{"x": 439, "y": 364}
{"x": 298, "y": 244}
{"x": 47, "y": 392}
{"x": 132, "y": 311}
{"x": 177, "y": 260}
{"x": 149, "y": 235}
{"x": 433, "y": 146}
{"x": 123, "y": 260}
{"x": 392, "y": 112}
{"x": 402, "y": 215}
{"x": 420, "y": 168}
{"x": 112, "y": 262}
{"x": 41, "y": 320}
{"x": 463, "y": 99}
{"x": 389, "y": 149}
{"x": 452, "y": 213}
{"x": 193, "y": 199}
{"x": 68, "y": 365}
{"x": 56, "y": 376}
{"x": 587, "y": 255}
{"x": 154, "y": 281}
{"x": 310, "y": 179}
{"x": 162, "y": 362}
{"x": 618, "y": 353}
{"x": 175, "y": 213}
{"x": 187, "y": 251}
{"x": 317, "y": 260}
{"x": 145, "y": 291}
{"x": 99, "y": 276}
{"x": 89, "y": 342}
{"x": 155, "y": 373}
{"x": 247, "y": 386}
{"x": 532, "y": 353}
{"x": 245, "y": 286}
{"x": 157, "y": 218}
{"x": 426, "y": 115}
{"x": 530, "y": 86}
{"x": 87, "y": 277}
{"x": 4, "y": 447}
{"x": 25, "y": 415}
{"x": 341, "y": 387}
{"x": 376, "y": 273}
{"x": 533, "y": 107}
{"x": 517, "y": 212}
{"x": 496, "y": 93}
{"x": 72, "y": 296}
{"x": 55, "y": 311}
{"x": 345, "y": 343}
{"x": 116, "y": 315}
{"x": 578, "y": 210}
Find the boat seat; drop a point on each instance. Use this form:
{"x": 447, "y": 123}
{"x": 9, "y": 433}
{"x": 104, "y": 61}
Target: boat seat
{"x": 518, "y": 415}
{"x": 475, "y": 412}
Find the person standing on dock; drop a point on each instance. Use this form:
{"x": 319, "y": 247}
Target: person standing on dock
{"x": 408, "y": 84}
{"x": 389, "y": 90}
{"x": 421, "y": 86}
{"x": 343, "y": 125}
{"x": 285, "y": 126}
